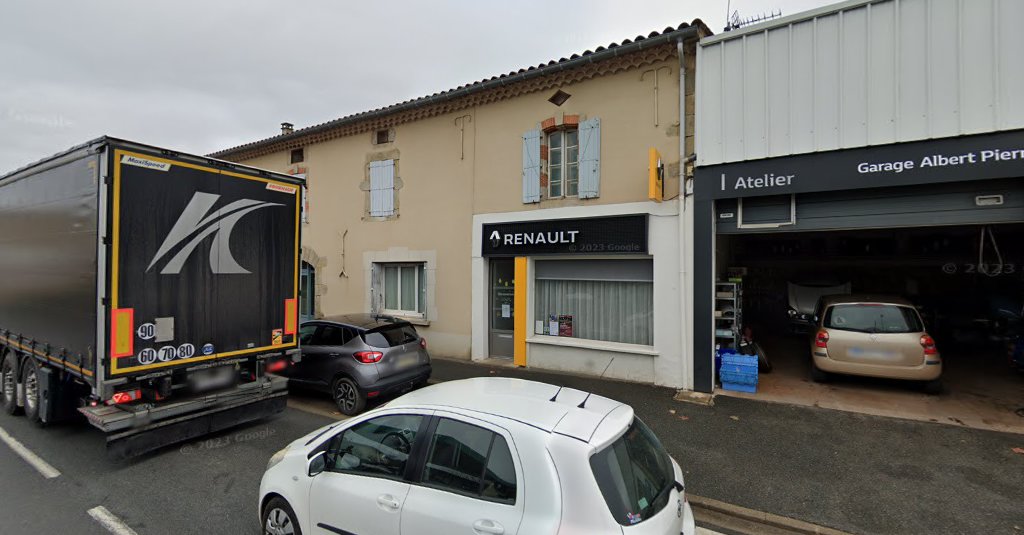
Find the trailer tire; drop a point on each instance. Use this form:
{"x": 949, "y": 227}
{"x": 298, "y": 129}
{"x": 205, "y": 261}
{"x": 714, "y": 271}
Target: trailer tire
{"x": 279, "y": 518}
{"x": 9, "y": 383}
{"x": 347, "y": 396}
{"x": 31, "y": 390}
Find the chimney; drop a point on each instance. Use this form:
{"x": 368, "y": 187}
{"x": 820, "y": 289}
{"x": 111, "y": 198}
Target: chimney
{"x": 287, "y": 128}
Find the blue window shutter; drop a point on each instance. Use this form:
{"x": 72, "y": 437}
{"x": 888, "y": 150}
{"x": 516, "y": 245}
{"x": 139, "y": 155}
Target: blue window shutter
{"x": 590, "y": 158}
{"x": 531, "y": 166}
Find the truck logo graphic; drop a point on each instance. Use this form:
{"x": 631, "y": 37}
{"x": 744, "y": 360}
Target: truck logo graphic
{"x": 197, "y": 222}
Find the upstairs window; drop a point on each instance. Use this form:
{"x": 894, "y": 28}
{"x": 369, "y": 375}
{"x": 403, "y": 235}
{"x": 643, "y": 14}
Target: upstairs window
{"x": 298, "y": 155}
{"x": 563, "y": 163}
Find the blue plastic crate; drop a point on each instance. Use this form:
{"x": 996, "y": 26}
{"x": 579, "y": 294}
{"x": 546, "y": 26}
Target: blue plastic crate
{"x": 739, "y": 363}
{"x": 750, "y": 389}
{"x": 738, "y": 378}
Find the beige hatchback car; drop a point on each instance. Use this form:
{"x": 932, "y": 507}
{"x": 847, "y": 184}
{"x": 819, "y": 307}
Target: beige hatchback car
{"x": 873, "y": 336}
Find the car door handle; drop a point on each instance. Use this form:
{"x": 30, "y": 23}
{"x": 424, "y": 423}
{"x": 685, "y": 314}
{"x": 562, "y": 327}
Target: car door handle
{"x": 488, "y": 526}
{"x": 388, "y": 501}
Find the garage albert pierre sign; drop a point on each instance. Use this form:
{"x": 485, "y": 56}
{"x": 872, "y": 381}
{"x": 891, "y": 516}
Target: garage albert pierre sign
{"x": 593, "y": 235}
{"x": 979, "y": 157}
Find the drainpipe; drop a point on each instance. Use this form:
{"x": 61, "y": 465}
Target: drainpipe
{"x": 685, "y": 227}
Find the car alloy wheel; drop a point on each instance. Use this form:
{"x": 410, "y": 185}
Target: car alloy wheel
{"x": 345, "y": 395}
{"x": 279, "y": 523}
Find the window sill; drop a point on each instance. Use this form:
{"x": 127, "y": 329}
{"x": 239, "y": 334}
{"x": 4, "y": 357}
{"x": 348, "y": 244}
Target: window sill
{"x": 415, "y": 320}
{"x": 599, "y": 345}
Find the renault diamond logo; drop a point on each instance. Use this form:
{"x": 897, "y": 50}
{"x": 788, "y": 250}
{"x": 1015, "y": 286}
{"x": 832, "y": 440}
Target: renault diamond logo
{"x": 197, "y": 222}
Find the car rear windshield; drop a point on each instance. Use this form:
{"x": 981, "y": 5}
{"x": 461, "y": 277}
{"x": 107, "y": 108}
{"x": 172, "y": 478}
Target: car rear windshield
{"x": 391, "y": 336}
{"x": 634, "y": 474}
{"x": 873, "y": 318}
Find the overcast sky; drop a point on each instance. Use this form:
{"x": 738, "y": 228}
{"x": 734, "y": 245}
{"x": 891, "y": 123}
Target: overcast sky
{"x": 199, "y": 76}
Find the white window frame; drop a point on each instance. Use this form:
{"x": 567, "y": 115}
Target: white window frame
{"x": 417, "y": 292}
{"x": 563, "y": 167}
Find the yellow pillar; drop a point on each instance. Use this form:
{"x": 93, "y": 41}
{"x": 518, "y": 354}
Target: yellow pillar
{"x": 519, "y": 313}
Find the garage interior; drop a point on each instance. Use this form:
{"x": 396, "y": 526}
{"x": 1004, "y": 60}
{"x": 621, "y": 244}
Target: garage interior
{"x": 965, "y": 279}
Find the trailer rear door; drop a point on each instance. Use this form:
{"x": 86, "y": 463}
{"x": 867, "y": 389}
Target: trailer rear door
{"x": 204, "y": 263}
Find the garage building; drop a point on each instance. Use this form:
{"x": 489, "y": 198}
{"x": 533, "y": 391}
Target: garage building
{"x": 871, "y": 147}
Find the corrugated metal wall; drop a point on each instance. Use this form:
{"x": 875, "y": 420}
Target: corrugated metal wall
{"x": 860, "y": 73}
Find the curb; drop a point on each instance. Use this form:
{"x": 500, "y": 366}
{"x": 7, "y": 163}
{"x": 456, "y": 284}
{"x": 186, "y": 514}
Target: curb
{"x": 701, "y": 504}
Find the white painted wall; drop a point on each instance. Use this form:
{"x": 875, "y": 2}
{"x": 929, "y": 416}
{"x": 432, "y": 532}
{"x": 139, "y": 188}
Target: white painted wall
{"x": 662, "y": 364}
{"x": 860, "y": 73}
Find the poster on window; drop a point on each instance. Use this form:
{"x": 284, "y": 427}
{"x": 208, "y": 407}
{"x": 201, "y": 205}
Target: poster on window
{"x": 565, "y": 325}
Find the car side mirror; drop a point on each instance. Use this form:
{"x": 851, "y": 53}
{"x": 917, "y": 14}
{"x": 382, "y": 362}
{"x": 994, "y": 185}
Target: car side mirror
{"x": 316, "y": 465}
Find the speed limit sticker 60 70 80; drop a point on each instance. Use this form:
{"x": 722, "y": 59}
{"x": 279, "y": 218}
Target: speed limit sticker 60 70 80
{"x": 168, "y": 353}
{"x": 186, "y": 351}
{"x": 147, "y": 356}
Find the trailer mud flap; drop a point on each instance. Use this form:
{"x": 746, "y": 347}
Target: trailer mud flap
{"x": 138, "y": 441}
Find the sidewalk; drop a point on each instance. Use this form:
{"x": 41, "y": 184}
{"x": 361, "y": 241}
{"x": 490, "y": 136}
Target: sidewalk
{"x": 848, "y": 471}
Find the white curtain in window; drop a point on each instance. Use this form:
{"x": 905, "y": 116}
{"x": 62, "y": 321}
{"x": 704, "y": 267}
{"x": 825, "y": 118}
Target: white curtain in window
{"x": 613, "y": 311}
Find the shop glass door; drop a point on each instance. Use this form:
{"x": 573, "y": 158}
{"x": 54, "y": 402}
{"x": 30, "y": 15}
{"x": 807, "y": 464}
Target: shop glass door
{"x": 502, "y": 307}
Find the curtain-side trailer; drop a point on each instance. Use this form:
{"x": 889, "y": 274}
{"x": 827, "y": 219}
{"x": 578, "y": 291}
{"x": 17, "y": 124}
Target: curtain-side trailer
{"x": 152, "y": 291}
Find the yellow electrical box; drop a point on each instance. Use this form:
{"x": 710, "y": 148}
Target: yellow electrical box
{"x": 655, "y": 176}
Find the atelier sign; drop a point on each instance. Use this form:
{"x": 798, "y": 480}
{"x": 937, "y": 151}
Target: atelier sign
{"x": 596, "y": 235}
{"x": 977, "y": 157}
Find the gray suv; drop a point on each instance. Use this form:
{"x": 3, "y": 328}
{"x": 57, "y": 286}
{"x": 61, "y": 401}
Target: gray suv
{"x": 360, "y": 356}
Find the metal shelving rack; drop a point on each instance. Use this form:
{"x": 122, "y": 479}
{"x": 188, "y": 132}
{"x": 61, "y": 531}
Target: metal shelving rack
{"x": 728, "y": 314}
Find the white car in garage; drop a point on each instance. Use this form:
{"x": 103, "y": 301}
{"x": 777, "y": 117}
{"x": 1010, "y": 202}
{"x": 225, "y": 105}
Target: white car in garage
{"x": 484, "y": 456}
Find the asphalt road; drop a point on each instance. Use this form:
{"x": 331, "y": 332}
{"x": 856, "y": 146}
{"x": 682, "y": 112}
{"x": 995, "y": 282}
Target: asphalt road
{"x": 857, "y": 473}
{"x": 204, "y": 486}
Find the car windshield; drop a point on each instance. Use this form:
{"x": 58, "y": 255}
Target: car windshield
{"x": 391, "y": 336}
{"x": 634, "y": 474}
{"x": 873, "y": 318}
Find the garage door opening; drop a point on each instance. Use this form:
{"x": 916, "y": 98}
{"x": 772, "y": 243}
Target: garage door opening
{"x": 965, "y": 282}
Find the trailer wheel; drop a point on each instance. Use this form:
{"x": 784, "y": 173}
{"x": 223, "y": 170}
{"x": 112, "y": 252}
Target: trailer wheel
{"x": 31, "y": 390}
{"x": 9, "y": 384}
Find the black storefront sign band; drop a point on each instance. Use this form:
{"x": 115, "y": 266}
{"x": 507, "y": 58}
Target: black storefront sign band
{"x": 592, "y": 235}
{"x": 977, "y": 157}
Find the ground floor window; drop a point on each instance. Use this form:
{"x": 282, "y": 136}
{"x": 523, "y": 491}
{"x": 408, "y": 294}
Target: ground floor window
{"x": 609, "y": 300}
{"x": 403, "y": 288}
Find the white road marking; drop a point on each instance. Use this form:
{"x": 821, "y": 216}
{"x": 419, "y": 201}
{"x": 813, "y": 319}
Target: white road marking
{"x": 109, "y": 521}
{"x": 44, "y": 468}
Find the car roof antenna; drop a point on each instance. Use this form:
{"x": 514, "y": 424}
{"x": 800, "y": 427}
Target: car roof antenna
{"x": 583, "y": 403}
{"x": 554, "y": 397}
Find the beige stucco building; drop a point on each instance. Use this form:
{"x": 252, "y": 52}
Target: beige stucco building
{"x": 443, "y": 210}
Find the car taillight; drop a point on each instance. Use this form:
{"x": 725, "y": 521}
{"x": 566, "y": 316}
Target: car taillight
{"x": 276, "y": 366}
{"x": 125, "y": 397}
{"x": 423, "y": 343}
{"x": 928, "y": 343}
{"x": 368, "y": 357}
{"x": 822, "y": 339}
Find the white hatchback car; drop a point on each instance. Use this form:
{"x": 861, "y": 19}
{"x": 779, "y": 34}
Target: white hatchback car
{"x": 485, "y": 456}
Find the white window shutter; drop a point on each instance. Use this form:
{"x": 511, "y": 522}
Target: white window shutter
{"x": 382, "y": 188}
{"x": 531, "y": 166}
{"x": 590, "y": 158}
{"x": 388, "y": 196}
{"x": 376, "y": 288}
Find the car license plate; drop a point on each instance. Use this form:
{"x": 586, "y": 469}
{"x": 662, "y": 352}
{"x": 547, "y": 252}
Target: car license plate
{"x": 860, "y": 352}
{"x": 407, "y": 361}
{"x": 212, "y": 378}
